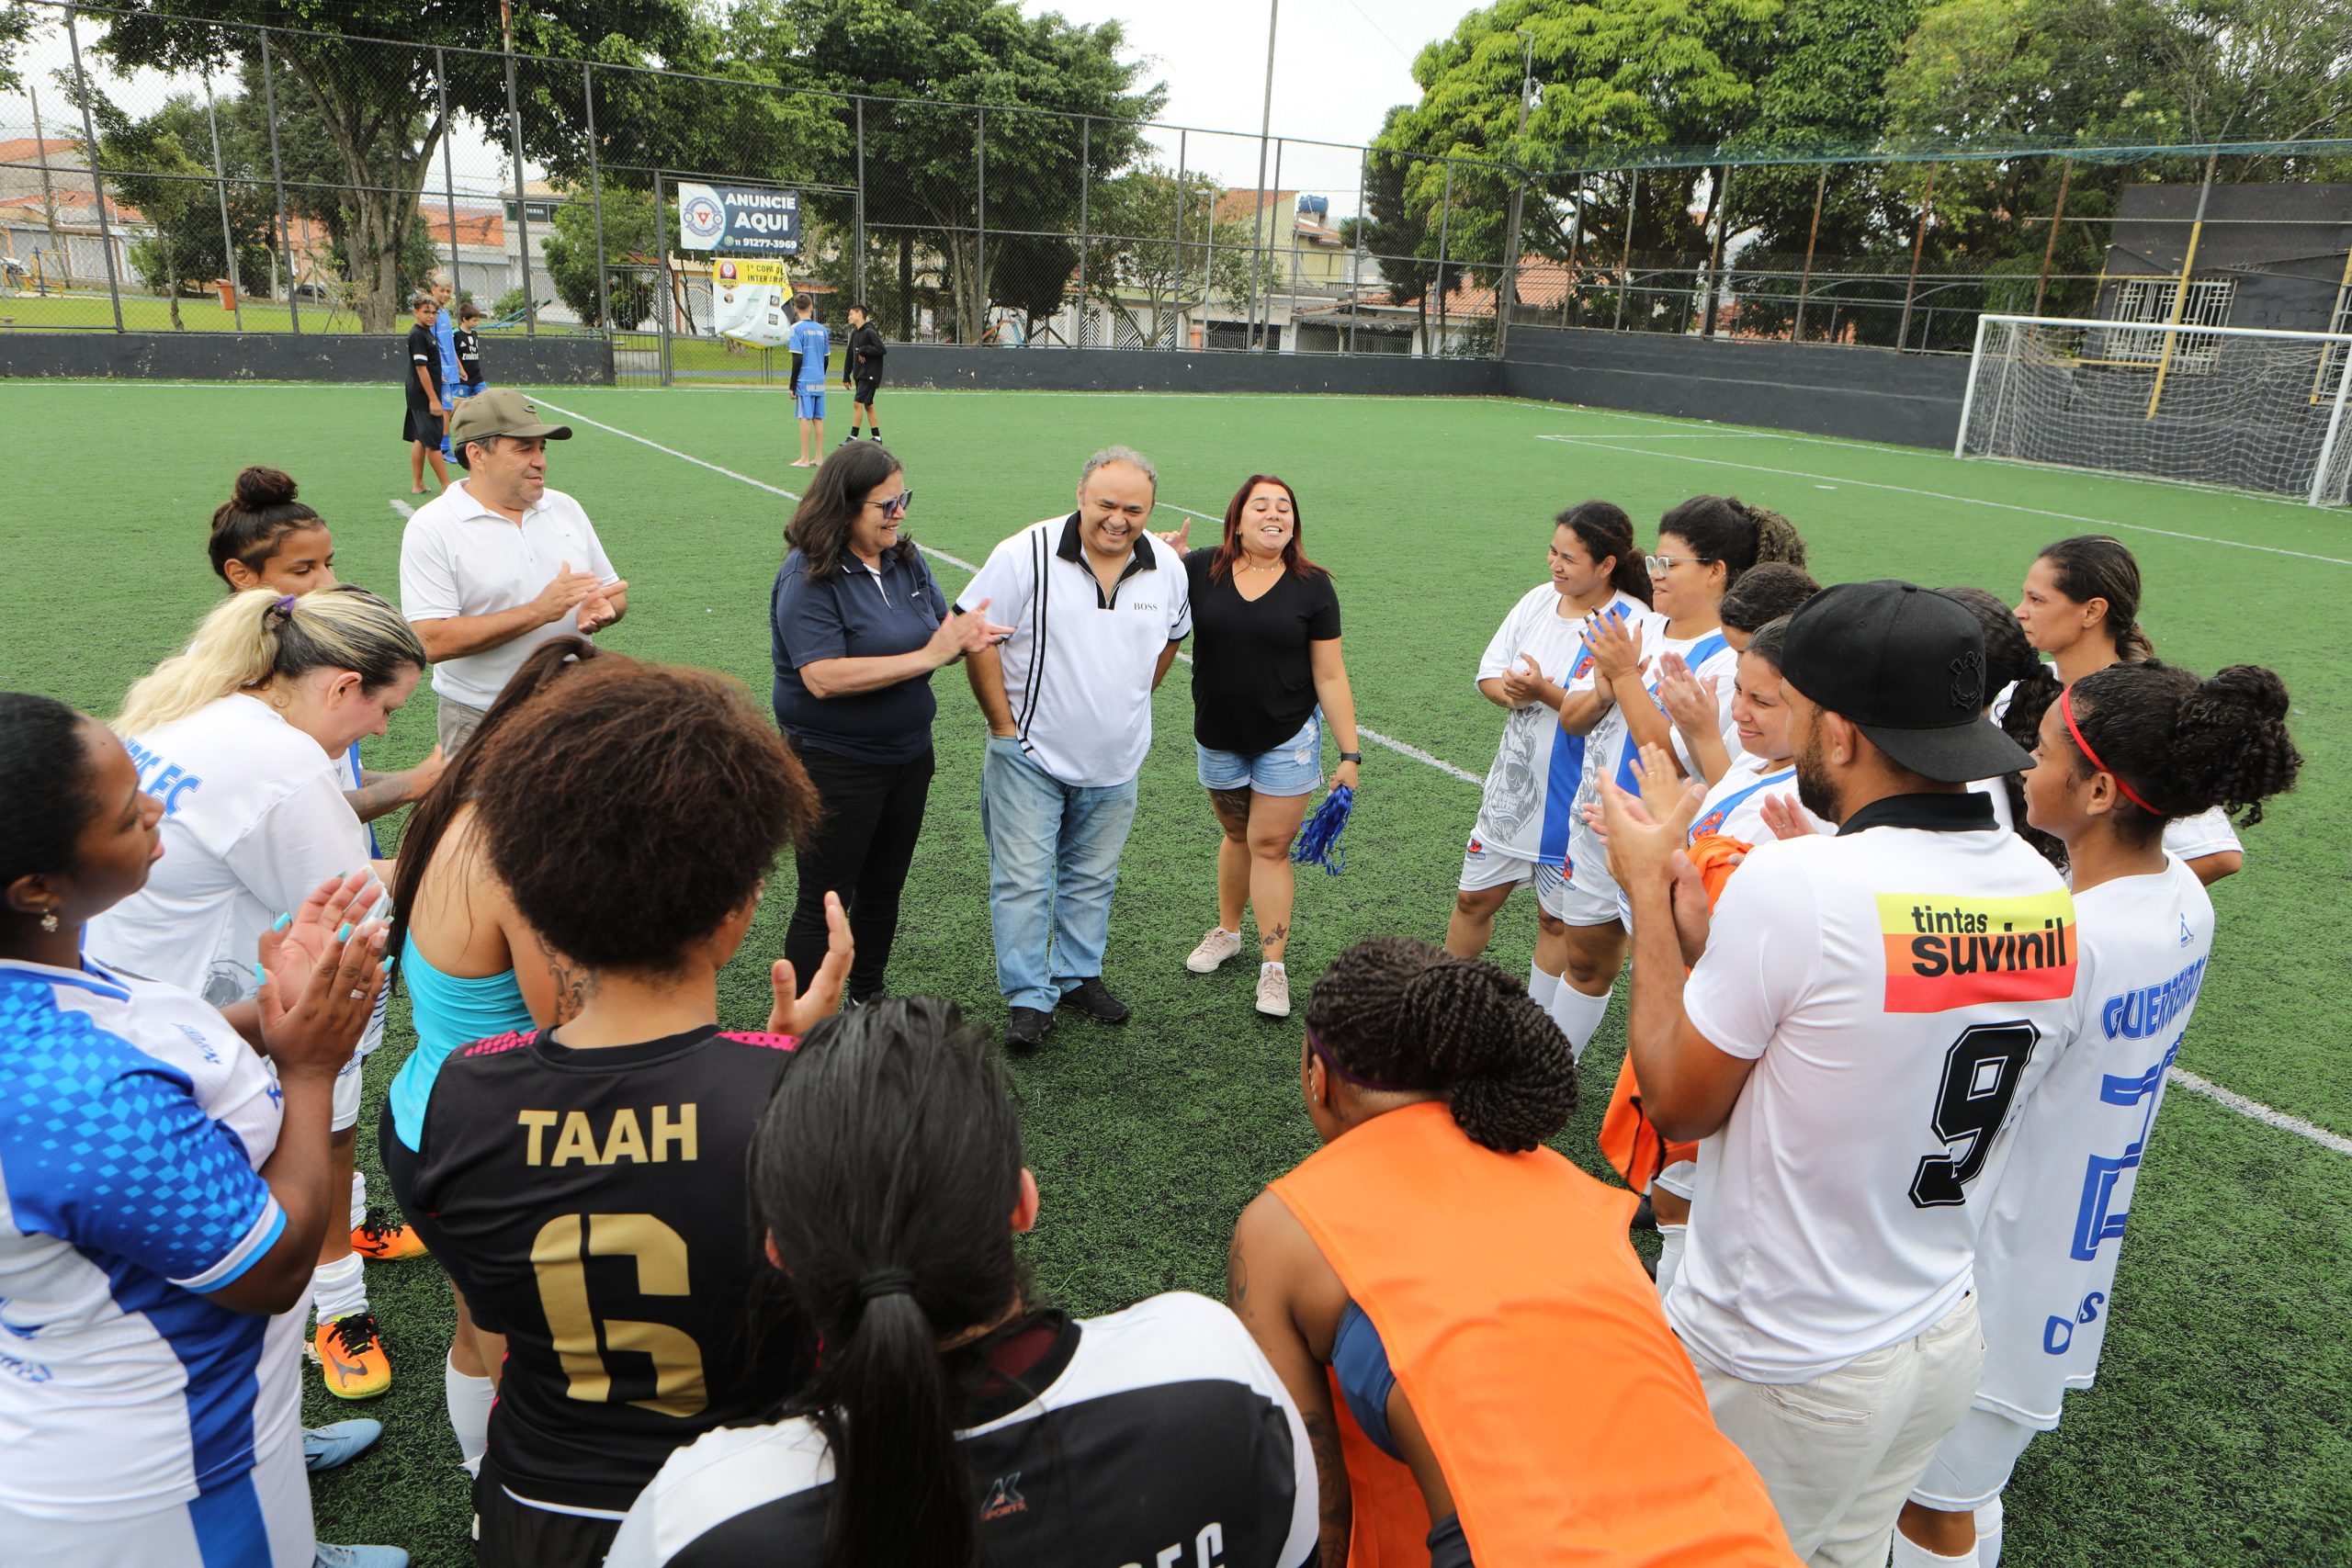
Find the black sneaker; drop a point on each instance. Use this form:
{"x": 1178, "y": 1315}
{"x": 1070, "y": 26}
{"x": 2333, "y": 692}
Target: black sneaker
{"x": 1093, "y": 998}
{"x": 1644, "y": 1217}
{"x": 1025, "y": 1029}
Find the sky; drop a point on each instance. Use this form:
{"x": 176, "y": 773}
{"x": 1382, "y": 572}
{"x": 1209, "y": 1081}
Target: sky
{"x": 1339, "y": 65}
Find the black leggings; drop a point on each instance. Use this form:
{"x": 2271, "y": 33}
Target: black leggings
{"x": 861, "y": 851}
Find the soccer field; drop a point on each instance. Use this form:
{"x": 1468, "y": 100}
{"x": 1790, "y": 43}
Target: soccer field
{"x": 2216, "y": 1434}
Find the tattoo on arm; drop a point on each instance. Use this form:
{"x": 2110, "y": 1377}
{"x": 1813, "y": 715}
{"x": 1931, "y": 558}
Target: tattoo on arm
{"x": 1237, "y": 1279}
{"x": 379, "y": 794}
{"x": 1338, "y": 1512}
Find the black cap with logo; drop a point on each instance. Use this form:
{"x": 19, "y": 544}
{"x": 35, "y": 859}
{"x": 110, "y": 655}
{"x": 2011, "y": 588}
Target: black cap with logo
{"x": 1906, "y": 666}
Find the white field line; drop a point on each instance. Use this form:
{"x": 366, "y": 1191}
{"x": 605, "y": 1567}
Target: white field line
{"x": 2188, "y": 1080}
{"x": 1607, "y": 444}
{"x": 404, "y": 509}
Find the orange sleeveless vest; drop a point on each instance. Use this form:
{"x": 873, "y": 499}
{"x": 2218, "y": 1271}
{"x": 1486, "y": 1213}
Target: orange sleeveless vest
{"x": 1563, "y": 1410}
{"x": 1634, "y": 1148}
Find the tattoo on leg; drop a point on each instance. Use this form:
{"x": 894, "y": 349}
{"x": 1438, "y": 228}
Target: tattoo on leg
{"x": 1279, "y": 932}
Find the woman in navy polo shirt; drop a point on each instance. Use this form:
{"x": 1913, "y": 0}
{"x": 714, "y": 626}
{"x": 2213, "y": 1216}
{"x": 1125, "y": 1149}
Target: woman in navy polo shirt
{"x": 857, "y": 626}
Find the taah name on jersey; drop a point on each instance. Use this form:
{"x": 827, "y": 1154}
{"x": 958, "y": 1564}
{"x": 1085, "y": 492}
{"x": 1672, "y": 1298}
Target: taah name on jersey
{"x": 1945, "y": 951}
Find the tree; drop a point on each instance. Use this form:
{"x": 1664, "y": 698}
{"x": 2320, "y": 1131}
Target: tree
{"x": 174, "y": 193}
{"x": 631, "y": 258}
{"x": 377, "y": 104}
{"x": 922, "y": 159}
{"x": 1154, "y": 255}
{"x": 16, "y": 27}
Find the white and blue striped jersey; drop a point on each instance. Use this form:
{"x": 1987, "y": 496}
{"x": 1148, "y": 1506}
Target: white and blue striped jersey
{"x": 133, "y": 1122}
{"x": 2046, "y": 1256}
{"x": 1609, "y": 753}
{"x": 1531, "y": 793}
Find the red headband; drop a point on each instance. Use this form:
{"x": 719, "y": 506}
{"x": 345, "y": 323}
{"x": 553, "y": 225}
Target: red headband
{"x": 2066, "y": 712}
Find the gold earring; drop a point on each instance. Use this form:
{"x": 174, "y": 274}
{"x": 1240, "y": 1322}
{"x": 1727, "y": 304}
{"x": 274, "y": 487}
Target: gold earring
{"x": 49, "y": 922}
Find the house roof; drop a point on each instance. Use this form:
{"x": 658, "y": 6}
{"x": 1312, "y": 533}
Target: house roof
{"x": 1233, "y": 206}
{"x": 78, "y": 199}
{"x": 26, "y": 150}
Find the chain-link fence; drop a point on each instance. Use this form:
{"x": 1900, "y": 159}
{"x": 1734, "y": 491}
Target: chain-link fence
{"x": 272, "y": 179}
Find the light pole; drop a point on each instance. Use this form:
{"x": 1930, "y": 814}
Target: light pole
{"x": 1507, "y": 295}
{"x": 1265, "y": 133}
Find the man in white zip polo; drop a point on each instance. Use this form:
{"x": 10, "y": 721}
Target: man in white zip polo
{"x": 1098, "y": 605}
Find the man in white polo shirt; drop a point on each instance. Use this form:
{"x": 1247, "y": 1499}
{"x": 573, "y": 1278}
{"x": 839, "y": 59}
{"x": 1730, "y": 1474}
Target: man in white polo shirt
{"x": 1869, "y": 1014}
{"x": 498, "y": 563}
{"x": 1098, "y": 604}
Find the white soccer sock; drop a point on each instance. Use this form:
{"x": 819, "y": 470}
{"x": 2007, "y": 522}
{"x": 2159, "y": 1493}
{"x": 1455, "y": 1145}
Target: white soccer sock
{"x": 1578, "y": 1015}
{"x": 1988, "y": 1535}
{"x": 1670, "y": 1242}
{"x": 358, "y": 1198}
{"x": 338, "y": 1289}
{"x": 469, "y": 1400}
{"x": 1541, "y": 987}
{"x": 1909, "y": 1553}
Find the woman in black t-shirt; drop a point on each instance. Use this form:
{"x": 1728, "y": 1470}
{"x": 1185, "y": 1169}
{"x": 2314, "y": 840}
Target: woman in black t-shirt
{"x": 1266, "y": 675}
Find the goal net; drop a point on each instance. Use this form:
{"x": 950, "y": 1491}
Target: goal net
{"x": 2232, "y": 407}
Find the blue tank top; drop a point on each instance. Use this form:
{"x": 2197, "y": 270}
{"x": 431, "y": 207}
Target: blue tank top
{"x": 448, "y": 1010}
{"x": 1360, "y": 1362}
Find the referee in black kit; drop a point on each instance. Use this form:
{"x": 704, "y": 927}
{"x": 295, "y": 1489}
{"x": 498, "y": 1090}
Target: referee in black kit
{"x": 861, "y": 370}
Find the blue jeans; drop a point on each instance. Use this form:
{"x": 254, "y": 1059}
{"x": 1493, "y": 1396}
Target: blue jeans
{"x": 1053, "y": 861}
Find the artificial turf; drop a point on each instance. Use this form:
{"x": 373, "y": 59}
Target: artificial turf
{"x": 2216, "y": 1434}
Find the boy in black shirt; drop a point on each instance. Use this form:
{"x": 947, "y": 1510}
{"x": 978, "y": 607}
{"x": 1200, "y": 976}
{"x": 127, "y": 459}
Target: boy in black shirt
{"x": 861, "y": 371}
{"x": 426, "y": 422}
{"x": 469, "y": 381}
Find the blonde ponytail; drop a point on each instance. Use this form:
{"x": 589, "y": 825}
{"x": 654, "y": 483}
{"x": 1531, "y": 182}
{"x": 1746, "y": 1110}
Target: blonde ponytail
{"x": 259, "y": 636}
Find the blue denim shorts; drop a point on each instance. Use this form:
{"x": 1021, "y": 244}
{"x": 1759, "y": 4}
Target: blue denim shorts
{"x": 811, "y": 401}
{"x": 1294, "y": 767}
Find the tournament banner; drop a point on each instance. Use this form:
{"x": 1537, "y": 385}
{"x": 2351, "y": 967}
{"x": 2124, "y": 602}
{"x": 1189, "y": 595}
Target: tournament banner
{"x": 758, "y": 219}
{"x": 747, "y": 300}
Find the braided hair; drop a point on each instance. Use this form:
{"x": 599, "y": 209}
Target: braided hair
{"x": 2185, "y": 745}
{"x": 1399, "y": 1012}
{"x": 2091, "y": 566}
{"x": 2011, "y": 664}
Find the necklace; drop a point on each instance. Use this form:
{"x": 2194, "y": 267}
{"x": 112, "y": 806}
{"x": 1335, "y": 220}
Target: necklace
{"x": 1276, "y": 565}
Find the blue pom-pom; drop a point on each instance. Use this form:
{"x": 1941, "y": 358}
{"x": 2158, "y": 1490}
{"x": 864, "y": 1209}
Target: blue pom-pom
{"x": 1318, "y": 840}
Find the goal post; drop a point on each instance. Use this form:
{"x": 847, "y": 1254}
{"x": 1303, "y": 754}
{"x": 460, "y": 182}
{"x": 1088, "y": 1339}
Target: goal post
{"x": 2238, "y": 408}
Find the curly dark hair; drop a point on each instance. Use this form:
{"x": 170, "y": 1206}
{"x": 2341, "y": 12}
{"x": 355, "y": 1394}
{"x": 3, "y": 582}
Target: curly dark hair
{"x": 820, "y": 525}
{"x": 1399, "y": 1011}
{"x": 2186, "y": 745}
{"x": 47, "y": 778}
{"x": 2012, "y": 665}
{"x": 1765, "y": 593}
{"x": 1727, "y": 529}
{"x": 631, "y": 808}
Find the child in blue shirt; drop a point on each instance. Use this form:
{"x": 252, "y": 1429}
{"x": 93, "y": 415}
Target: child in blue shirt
{"x": 809, "y": 345}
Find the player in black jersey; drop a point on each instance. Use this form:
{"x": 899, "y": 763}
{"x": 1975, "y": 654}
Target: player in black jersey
{"x": 583, "y": 1184}
{"x": 952, "y": 1420}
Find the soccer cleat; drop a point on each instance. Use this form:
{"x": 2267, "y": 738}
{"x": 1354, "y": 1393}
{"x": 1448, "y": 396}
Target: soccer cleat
{"x": 338, "y": 1443}
{"x": 1273, "y": 991}
{"x": 1215, "y": 948}
{"x": 386, "y": 1241}
{"x": 351, "y": 1356}
{"x": 1094, "y": 999}
{"x": 358, "y": 1557}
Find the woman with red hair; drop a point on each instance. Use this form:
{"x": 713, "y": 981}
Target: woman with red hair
{"x": 1266, "y": 676}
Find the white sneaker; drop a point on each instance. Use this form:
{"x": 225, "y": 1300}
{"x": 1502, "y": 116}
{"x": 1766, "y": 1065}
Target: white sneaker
{"x": 1215, "y": 948}
{"x": 1273, "y": 991}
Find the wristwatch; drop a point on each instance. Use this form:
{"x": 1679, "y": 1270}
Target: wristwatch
{"x": 1351, "y": 756}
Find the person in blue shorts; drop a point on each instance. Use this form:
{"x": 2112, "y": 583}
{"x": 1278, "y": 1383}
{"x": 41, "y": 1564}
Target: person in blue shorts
{"x": 445, "y": 334}
{"x": 809, "y": 344}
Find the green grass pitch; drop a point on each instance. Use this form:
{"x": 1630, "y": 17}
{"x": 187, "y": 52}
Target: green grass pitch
{"x": 2215, "y": 1435}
